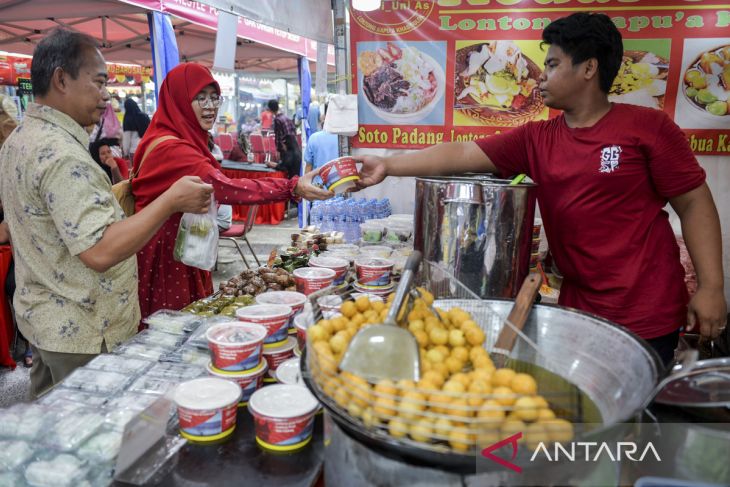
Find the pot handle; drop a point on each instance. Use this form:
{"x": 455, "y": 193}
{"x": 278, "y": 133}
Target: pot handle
{"x": 687, "y": 360}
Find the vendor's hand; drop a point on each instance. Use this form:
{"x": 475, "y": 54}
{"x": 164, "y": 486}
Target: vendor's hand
{"x": 271, "y": 164}
{"x": 309, "y": 191}
{"x": 189, "y": 194}
{"x": 707, "y": 311}
{"x": 372, "y": 172}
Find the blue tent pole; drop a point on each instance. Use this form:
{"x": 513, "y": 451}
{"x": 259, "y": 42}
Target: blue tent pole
{"x": 305, "y": 87}
{"x": 165, "y": 54}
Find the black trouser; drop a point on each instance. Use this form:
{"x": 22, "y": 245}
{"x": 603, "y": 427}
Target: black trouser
{"x": 665, "y": 346}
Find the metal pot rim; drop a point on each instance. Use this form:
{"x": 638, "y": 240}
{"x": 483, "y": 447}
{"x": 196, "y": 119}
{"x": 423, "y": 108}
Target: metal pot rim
{"x": 477, "y": 182}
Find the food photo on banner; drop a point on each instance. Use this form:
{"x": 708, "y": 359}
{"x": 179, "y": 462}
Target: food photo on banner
{"x": 402, "y": 82}
{"x": 456, "y": 70}
{"x": 702, "y": 101}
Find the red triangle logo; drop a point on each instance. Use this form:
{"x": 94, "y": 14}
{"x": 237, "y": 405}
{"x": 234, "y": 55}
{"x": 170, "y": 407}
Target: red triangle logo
{"x": 512, "y": 440}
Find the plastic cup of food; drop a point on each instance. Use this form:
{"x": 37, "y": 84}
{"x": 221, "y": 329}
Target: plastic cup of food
{"x": 248, "y": 381}
{"x": 274, "y": 317}
{"x": 292, "y": 299}
{"x": 397, "y": 233}
{"x": 275, "y": 356}
{"x": 382, "y": 251}
{"x": 207, "y": 408}
{"x": 340, "y": 174}
{"x": 371, "y": 232}
{"x": 312, "y": 279}
{"x": 289, "y": 372}
{"x": 329, "y": 305}
{"x": 283, "y": 416}
{"x": 236, "y": 346}
{"x": 374, "y": 272}
{"x": 344, "y": 247}
{"x": 302, "y": 321}
{"x": 372, "y": 294}
{"x": 339, "y": 265}
{"x": 401, "y": 218}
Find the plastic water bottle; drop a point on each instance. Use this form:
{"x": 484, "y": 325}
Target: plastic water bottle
{"x": 354, "y": 219}
{"x": 315, "y": 214}
{"x": 372, "y": 209}
{"x": 388, "y": 208}
{"x": 327, "y": 222}
{"x": 338, "y": 219}
{"x": 381, "y": 209}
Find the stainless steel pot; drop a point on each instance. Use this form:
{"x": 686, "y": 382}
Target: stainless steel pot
{"x": 594, "y": 371}
{"x": 479, "y": 228}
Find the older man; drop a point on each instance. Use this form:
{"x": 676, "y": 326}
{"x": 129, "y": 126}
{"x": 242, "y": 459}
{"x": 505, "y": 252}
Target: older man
{"x": 74, "y": 252}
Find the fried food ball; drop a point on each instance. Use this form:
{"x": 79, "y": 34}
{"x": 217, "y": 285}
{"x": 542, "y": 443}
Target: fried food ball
{"x": 524, "y": 384}
{"x": 503, "y": 377}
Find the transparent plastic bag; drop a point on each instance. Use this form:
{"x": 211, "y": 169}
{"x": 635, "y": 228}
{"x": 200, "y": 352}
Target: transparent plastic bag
{"x": 196, "y": 244}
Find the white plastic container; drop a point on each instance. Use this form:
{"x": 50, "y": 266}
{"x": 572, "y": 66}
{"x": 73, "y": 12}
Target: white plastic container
{"x": 283, "y": 416}
{"x": 236, "y": 346}
{"x": 274, "y": 317}
{"x": 249, "y": 381}
{"x": 290, "y": 372}
{"x": 381, "y": 251}
{"x": 207, "y": 408}
{"x": 312, "y": 279}
{"x": 374, "y": 272}
{"x": 337, "y": 264}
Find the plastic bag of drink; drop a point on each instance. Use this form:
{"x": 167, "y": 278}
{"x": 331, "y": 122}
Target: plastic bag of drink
{"x": 196, "y": 244}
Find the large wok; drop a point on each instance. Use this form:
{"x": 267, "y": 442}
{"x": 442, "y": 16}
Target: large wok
{"x": 612, "y": 370}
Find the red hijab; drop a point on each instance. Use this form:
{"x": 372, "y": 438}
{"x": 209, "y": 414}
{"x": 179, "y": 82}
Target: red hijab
{"x": 174, "y": 115}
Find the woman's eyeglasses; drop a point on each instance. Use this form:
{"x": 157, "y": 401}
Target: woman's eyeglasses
{"x": 209, "y": 101}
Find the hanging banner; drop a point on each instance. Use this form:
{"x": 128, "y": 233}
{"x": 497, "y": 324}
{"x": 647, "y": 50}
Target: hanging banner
{"x": 207, "y": 15}
{"x": 428, "y": 72}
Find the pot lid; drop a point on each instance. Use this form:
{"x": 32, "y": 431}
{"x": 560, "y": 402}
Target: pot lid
{"x": 705, "y": 384}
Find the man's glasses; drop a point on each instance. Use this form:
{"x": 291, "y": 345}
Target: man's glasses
{"x": 209, "y": 102}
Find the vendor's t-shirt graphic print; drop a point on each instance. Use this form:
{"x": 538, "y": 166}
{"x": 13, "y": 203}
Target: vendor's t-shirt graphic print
{"x": 610, "y": 158}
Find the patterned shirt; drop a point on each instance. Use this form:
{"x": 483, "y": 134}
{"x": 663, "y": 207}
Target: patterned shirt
{"x": 283, "y": 129}
{"x": 58, "y": 202}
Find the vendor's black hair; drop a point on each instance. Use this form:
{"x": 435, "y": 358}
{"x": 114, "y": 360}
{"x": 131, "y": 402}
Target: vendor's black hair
{"x": 273, "y": 105}
{"x": 60, "y": 49}
{"x": 583, "y": 36}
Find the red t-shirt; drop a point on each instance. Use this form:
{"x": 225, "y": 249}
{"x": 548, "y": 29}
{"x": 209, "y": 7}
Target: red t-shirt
{"x": 267, "y": 119}
{"x": 601, "y": 191}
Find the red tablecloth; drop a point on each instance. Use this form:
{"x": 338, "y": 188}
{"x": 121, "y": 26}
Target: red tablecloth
{"x": 7, "y": 329}
{"x": 270, "y": 214}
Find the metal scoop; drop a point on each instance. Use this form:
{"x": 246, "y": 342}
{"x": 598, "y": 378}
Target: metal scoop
{"x": 387, "y": 351}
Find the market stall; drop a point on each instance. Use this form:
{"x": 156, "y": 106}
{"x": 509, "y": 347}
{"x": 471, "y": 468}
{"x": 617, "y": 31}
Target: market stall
{"x": 477, "y": 414}
{"x": 319, "y": 293}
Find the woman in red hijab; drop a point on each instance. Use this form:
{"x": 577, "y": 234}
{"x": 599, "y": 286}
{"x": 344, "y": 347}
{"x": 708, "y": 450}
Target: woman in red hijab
{"x": 188, "y": 106}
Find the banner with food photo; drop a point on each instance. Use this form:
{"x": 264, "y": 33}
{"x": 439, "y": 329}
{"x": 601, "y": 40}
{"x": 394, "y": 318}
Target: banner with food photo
{"x": 427, "y": 72}
{"x": 496, "y": 83}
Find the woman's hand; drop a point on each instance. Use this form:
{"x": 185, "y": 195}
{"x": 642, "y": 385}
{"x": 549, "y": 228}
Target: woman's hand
{"x": 189, "y": 194}
{"x": 110, "y": 162}
{"x": 309, "y": 191}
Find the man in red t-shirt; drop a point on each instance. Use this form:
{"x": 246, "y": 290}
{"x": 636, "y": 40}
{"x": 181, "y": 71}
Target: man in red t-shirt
{"x": 604, "y": 172}
{"x": 267, "y": 117}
